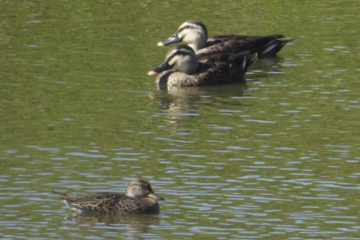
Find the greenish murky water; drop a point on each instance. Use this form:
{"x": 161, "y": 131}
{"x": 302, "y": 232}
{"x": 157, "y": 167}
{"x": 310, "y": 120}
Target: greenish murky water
{"x": 276, "y": 159}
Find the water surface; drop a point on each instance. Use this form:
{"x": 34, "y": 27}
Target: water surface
{"x": 275, "y": 159}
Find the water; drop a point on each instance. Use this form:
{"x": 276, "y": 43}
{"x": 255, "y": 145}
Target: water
{"x": 275, "y": 159}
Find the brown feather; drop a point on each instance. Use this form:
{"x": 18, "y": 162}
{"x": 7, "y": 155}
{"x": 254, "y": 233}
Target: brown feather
{"x": 142, "y": 202}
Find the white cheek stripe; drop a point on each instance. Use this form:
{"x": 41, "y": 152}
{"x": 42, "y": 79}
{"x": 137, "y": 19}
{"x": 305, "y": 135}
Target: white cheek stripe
{"x": 173, "y": 60}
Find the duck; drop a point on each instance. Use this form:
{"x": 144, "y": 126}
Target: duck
{"x": 183, "y": 68}
{"x": 195, "y": 34}
{"x": 138, "y": 198}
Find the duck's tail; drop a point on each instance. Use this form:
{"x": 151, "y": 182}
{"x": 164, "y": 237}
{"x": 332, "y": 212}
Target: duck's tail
{"x": 271, "y": 45}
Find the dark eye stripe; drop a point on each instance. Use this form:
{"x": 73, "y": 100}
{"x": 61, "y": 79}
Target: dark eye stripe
{"x": 177, "y": 53}
{"x": 185, "y": 27}
{"x": 191, "y": 26}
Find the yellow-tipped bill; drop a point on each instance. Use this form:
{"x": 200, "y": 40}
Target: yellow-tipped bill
{"x": 152, "y": 73}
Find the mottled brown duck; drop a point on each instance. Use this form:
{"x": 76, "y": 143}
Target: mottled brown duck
{"x": 138, "y": 198}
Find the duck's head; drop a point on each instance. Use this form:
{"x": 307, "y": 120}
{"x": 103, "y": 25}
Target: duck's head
{"x": 141, "y": 189}
{"x": 192, "y": 32}
{"x": 181, "y": 58}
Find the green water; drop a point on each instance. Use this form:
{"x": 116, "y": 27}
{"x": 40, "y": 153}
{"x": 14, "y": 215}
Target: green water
{"x": 276, "y": 159}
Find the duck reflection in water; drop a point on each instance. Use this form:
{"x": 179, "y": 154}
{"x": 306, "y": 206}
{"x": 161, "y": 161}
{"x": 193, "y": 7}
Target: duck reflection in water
{"x": 133, "y": 226}
{"x": 177, "y": 103}
{"x": 138, "y": 198}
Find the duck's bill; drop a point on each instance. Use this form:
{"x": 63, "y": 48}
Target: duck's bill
{"x": 164, "y": 66}
{"x": 152, "y": 73}
{"x": 173, "y": 39}
{"x": 155, "y": 196}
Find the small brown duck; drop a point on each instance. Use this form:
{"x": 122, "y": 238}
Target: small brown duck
{"x": 194, "y": 33}
{"x": 183, "y": 68}
{"x": 138, "y": 198}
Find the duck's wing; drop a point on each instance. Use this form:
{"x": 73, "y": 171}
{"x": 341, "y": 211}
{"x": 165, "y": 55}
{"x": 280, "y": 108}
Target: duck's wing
{"x": 268, "y": 45}
{"x": 221, "y": 52}
{"x": 224, "y": 38}
{"x": 239, "y": 63}
{"x": 100, "y": 202}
